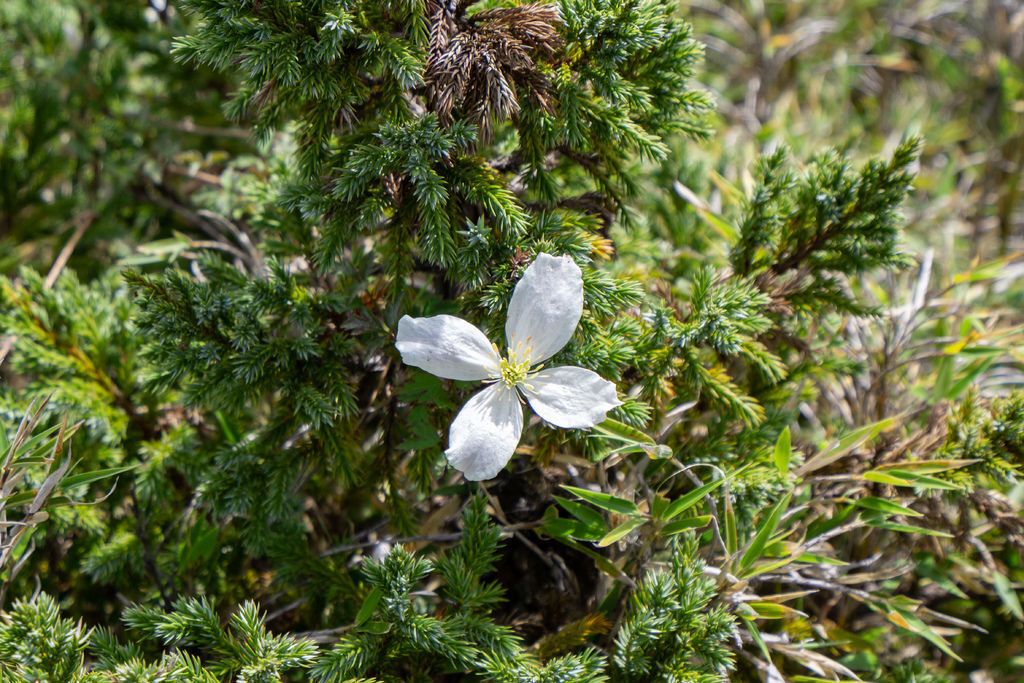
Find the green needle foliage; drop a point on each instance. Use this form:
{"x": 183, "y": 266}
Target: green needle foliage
{"x": 36, "y": 643}
{"x": 243, "y": 648}
{"x": 831, "y": 221}
{"x": 670, "y": 633}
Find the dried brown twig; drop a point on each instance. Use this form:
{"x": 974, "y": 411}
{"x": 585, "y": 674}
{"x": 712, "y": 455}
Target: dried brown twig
{"x": 478, "y": 63}
{"x": 12, "y": 474}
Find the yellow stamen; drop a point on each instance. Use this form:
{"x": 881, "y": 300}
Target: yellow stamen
{"x": 513, "y": 373}
{"x": 520, "y": 352}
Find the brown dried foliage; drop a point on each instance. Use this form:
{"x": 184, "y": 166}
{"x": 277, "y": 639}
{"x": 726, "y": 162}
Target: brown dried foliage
{"x": 478, "y": 64}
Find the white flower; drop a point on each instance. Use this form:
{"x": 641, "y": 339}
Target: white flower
{"x": 546, "y": 306}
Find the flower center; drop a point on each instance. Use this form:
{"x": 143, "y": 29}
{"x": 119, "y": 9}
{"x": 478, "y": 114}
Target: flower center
{"x": 513, "y": 373}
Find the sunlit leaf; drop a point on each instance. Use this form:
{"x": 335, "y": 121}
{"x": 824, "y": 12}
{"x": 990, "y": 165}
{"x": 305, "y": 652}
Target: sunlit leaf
{"x": 369, "y": 605}
{"x": 1006, "y": 593}
{"x": 782, "y": 452}
{"x": 682, "y": 525}
{"x": 886, "y": 506}
{"x": 688, "y": 500}
{"x": 605, "y": 501}
{"x": 764, "y": 532}
{"x": 621, "y": 531}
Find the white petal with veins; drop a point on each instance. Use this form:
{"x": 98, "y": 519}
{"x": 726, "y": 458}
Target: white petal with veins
{"x": 545, "y": 308}
{"x": 486, "y": 432}
{"x": 570, "y": 397}
{"x": 446, "y": 346}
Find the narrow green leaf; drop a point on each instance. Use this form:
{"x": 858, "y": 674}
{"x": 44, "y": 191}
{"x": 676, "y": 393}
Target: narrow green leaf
{"x": 926, "y": 482}
{"x": 600, "y": 560}
{"x": 95, "y": 475}
{"x": 723, "y": 226}
{"x": 929, "y": 466}
{"x": 862, "y": 435}
{"x": 908, "y": 529}
{"x": 22, "y": 498}
{"x": 605, "y": 501}
{"x": 764, "y": 533}
{"x": 971, "y": 373}
{"x": 885, "y": 506}
{"x": 728, "y": 233}
{"x": 731, "y": 535}
{"x": 621, "y": 530}
{"x": 563, "y": 529}
{"x": 772, "y": 610}
{"x": 682, "y": 525}
{"x": 582, "y": 532}
{"x": 225, "y": 427}
{"x": 202, "y": 543}
{"x": 905, "y": 478}
{"x": 633, "y": 440}
{"x": 907, "y": 620}
{"x": 658, "y": 506}
{"x": 26, "y": 462}
{"x": 375, "y": 627}
{"x": 844, "y": 445}
{"x": 929, "y": 568}
{"x": 613, "y": 429}
{"x": 1006, "y": 593}
{"x": 767, "y": 567}
{"x": 880, "y": 477}
{"x": 943, "y": 378}
{"x": 556, "y": 526}
{"x": 984, "y": 271}
{"x": 811, "y": 558}
{"x": 756, "y": 635}
{"x": 783, "y": 450}
{"x": 688, "y": 500}
{"x": 37, "y": 440}
{"x": 369, "y": 606}
{"x": 587, "y": 515}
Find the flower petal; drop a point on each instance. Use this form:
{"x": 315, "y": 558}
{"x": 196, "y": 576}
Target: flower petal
{"x": 570, "y": 397}
{"x": 546, "y": 306}
{"x": 486, "y": 432}
{"x": 446, "y": 346}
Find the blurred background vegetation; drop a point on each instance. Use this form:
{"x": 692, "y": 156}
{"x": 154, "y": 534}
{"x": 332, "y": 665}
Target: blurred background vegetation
{"x": 114, "y": 154}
